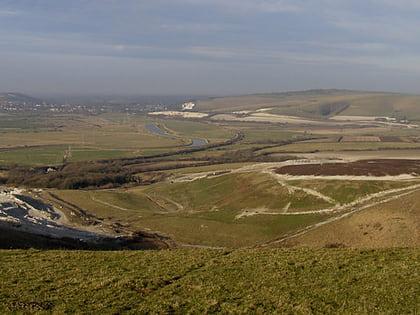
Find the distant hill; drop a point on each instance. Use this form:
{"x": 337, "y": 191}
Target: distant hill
{"x": 18, "y": 98}
{"x": 320, "y": 104}
{"x": 122, "y": 100}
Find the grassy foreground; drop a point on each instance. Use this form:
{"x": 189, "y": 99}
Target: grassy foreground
{"x": 298, "y": 281}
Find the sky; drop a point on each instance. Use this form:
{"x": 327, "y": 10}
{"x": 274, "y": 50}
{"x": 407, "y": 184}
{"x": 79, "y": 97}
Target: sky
{"x": 211, "y": 47}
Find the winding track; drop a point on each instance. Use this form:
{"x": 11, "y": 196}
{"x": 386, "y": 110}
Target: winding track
{"x": 353, "y": 210}
{"x": 358, "y": 204}
{"x": 292, "y": 189}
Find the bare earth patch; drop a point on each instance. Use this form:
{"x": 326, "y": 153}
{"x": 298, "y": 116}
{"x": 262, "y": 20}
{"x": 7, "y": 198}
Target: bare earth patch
{"x": 359, "y": 168}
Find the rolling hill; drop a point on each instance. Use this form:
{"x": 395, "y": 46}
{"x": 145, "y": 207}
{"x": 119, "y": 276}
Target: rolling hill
{"x": 18, "y": 98}
{"x": 319, "y": 104}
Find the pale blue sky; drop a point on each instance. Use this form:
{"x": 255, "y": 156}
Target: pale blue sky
{"x": 208, "y": 46}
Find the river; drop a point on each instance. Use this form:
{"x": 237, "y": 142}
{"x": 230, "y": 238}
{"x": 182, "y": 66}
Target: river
{"x": 154, "y": 129}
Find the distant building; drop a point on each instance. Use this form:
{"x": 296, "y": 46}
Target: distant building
{"x": 188, "y": 106}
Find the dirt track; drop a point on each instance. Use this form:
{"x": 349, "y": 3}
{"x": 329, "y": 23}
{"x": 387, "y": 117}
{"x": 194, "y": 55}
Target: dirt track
{"x": 353, "y": 208}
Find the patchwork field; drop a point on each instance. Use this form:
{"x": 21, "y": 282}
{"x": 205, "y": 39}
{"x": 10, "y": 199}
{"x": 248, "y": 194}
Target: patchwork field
{"x": 93, "y": 138}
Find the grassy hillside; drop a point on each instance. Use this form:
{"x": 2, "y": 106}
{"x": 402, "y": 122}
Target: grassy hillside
{"x": 255, "y": 101}
{"x": 396, "y": 105}
{"x": 393, "y": 224}
{"x": 237, "y": 208}
{"x": 191, "y": 220}
{"x": 207, "y": 281}
{"x": 191, "y": 211}
{"x": 320, "y": 104}
{"x": 235, "y": 192}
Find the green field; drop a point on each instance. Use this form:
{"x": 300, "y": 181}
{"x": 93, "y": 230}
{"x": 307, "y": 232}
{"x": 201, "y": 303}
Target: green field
{"x": 9, "y": 123}
{"x": 53, "y": 155}
{"x": 273, "y": 134}
{"x": 286, "y": 281}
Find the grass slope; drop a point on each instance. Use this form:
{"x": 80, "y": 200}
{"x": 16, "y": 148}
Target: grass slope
{"x": 392, "y": 224}
{"x": 191, "y": 212}
{"x": 230, "y": 210}
{"x": 206, "y": 281}
{"x": 235, "y": 192}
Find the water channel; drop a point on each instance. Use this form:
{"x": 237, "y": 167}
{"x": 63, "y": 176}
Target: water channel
{"x": 154, "y": 129}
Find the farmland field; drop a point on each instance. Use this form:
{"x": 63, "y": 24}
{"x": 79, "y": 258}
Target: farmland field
{"x": 45, "y": 142}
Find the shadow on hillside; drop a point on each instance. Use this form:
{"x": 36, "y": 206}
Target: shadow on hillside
{"x": 12, "y": 239}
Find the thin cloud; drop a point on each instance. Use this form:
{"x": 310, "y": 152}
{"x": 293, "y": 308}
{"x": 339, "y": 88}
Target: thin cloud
{"x": 194, "y": 27}
{"x": 6, "y": 13}
{"x": 380, "y": 56}
{"x": 392, "y": 29}
{"x": 268, "y": 6}
{"x": 213, "y": 52}
{"x": 333, "y": 37}
{"x": 400, "y": 4}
